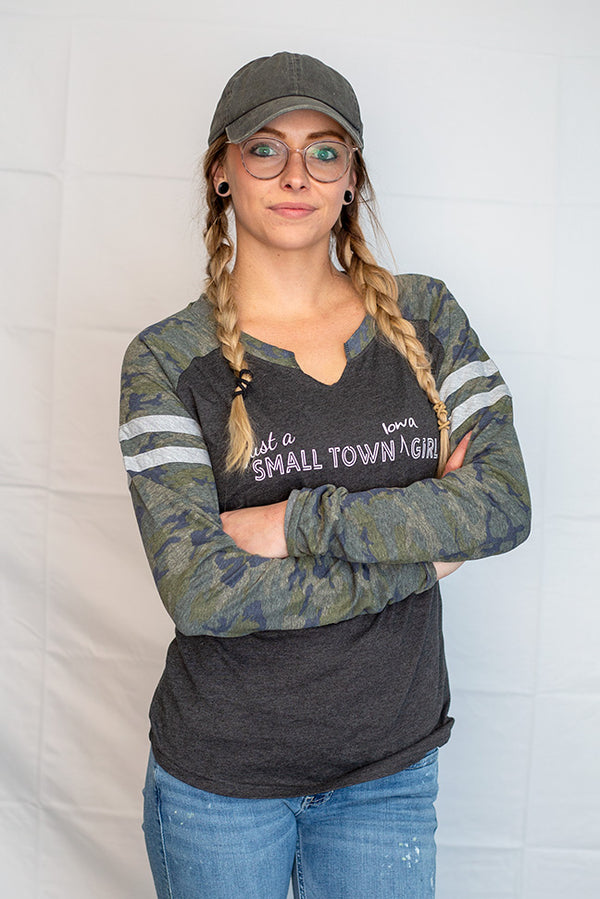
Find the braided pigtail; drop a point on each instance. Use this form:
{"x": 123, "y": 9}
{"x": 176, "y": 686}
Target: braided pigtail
{"x": 218, "y": 290}
{"x": 379, "y": 291}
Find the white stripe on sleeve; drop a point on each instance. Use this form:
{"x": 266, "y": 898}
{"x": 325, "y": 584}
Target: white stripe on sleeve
{"x": 468, "y": 372}
{"x": 146, "y": 424}
{"x": 475, "y": 403}
{"x": 166, "y": 455}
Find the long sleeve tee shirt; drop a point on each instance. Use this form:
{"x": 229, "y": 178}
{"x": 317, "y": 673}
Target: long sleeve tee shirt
{"x": 299, "y": 675}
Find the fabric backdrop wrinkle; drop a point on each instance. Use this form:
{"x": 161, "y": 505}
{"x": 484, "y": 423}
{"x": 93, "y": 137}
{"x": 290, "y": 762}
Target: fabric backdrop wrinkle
{"x": 482, "y": 137}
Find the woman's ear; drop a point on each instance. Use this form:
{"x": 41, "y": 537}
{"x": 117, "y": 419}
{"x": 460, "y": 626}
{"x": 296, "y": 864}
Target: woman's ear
{"x": 219, "y": 176}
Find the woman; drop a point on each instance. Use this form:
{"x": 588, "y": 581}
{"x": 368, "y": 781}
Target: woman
{"x": 288, "y": 438}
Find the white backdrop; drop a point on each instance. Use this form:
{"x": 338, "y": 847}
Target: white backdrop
{"x": 483, "y": 138}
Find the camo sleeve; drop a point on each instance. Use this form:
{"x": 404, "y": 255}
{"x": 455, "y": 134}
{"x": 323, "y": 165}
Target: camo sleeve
{"x": 206, "y": 582}
{"x": 483, "y": 509}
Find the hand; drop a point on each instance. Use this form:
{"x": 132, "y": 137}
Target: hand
{"x": 443, "y": 569}
{"x": 458, "y": 456}
{"x": 258, "y": 530}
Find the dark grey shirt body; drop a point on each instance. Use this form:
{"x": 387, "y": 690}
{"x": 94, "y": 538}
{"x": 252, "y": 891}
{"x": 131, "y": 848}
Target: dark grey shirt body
{"x": 282, "y": 713}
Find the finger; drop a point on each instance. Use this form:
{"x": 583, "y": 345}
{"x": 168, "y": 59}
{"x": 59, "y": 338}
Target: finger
{"x": 458, "y": 456}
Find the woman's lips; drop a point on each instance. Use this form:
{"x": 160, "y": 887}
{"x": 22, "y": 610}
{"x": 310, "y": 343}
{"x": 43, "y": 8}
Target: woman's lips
{"x": 292, "y": 210}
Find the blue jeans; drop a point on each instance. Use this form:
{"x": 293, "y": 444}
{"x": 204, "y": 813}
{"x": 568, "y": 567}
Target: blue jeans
{"x": 374, "y": 840}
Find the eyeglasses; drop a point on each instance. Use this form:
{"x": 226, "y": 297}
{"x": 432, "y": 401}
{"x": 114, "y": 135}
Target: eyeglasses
{"x": 324, "y": 160}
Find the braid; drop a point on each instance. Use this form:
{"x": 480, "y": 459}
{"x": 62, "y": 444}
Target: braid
{"x": 379, "y": 291}
{"x": 218, "y": 290}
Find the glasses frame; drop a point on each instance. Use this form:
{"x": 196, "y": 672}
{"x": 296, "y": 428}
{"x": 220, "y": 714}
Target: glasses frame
{"x": 303, "y": 151}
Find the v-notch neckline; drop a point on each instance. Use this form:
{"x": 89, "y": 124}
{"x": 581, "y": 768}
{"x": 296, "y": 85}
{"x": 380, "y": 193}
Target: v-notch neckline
{"x": 354, "y": 345}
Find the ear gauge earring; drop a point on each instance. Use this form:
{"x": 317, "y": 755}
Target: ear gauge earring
{"x": 223, "y": 188}
{"x": 348, "y": 197}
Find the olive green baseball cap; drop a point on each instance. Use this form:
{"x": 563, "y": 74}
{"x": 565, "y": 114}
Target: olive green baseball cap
{"x": 267, "y": 87}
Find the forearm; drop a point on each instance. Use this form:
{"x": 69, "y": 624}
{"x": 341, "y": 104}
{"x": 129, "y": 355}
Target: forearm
{"x": 481, "y": 510}
{"x": 210, "y": 586}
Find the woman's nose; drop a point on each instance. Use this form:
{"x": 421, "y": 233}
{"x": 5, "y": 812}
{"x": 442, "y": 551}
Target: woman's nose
{"x": 295, "y": 174}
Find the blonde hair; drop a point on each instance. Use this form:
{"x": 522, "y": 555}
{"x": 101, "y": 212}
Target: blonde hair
{"x": 376, "y": 286}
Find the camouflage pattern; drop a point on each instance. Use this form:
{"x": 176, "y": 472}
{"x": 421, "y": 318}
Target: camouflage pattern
{"x": 482, "y": 509}
{"x": 349, "y": 553}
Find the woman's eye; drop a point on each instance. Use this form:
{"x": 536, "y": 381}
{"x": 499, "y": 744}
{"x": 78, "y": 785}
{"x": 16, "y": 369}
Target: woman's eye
{"x": 262, "y": 150}
{"x": 324, "y": 153}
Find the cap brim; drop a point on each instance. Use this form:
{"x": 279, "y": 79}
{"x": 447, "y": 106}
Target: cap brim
{"x": 253, "y": 121}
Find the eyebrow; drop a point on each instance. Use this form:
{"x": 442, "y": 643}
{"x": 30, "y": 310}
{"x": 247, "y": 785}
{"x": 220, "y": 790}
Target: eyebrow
{"x": 314, "y": 135}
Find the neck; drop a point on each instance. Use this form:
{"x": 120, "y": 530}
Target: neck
{"x": 286, "y": 284}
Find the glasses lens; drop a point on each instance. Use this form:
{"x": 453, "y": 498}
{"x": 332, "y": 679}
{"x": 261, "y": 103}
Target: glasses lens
{"x": 327, "y": 160}
{"x": 264, "y": 157}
